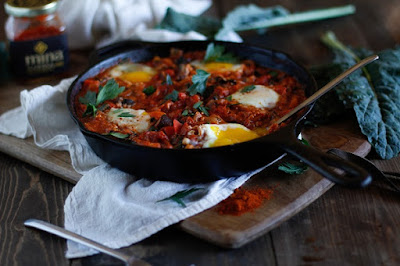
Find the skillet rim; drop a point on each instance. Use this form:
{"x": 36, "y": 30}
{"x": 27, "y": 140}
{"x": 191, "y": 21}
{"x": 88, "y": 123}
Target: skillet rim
{"x": 294, "y": 125}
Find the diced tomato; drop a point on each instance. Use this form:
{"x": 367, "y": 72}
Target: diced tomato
{"x": 91, "y": 84}
{"x": 156, "y": 114}
{"x": 280, "y": 89}
{"x": 177, "y": 126}
{"x": 182, "y": 96}
{"x": 169, "y": 131}
{"x": 170, "y": 72}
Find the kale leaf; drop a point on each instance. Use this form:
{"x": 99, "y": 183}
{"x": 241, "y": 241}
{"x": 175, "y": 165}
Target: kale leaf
{"x": 180, "y": 22}
{"x": 373, "y": 93}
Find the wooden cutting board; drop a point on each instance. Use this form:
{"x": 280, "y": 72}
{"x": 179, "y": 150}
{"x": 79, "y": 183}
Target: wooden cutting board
{"x": 291, "y": 193}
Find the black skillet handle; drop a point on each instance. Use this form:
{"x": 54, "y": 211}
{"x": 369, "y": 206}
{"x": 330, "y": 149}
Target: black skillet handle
{"x": 113, "y": 49}
{"x": 353, "y": 175}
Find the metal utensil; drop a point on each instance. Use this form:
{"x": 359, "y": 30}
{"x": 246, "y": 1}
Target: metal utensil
{"x": 328, "y": 87}
{"x": 366, "y": 164}
{"x": 61, "y": 232}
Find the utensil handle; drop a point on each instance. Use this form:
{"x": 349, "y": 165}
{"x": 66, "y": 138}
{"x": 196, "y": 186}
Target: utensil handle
{"x": 61, "y": 232}
{"x": 353, "y": 175}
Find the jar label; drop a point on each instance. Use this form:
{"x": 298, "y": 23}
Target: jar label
{"x": 39, "y": 57}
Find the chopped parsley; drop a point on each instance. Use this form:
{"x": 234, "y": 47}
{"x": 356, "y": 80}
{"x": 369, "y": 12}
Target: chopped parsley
{"x": 173, "y": 96}
{"x": 178, "y": 196}
{"x": 199, "y": 82}
{"x": 149, "y": 90}
{"x": 126, "y": 114}
{"x": 199, "y": 106}
{"x": 168, "y": 80}
{"x": 248, "y": 88}
{"x": 216, "y": 53}
{"x": 119, "y": 135}
{"x": 92, "y": 100}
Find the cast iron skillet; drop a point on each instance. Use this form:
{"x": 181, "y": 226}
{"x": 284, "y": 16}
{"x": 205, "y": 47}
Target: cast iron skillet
{"x": 209, "y": 164}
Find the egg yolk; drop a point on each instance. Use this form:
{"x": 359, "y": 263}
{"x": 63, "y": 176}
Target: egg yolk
{"x": 137, "y": 76}
{"x": 215, "y": 66}
{"x": 230, "y": 136}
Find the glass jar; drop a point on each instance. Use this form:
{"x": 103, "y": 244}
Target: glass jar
{"x": 37, "y": 40}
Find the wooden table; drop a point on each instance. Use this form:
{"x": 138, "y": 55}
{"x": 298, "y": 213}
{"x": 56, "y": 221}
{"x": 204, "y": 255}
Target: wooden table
{"x": 344, "y": 226}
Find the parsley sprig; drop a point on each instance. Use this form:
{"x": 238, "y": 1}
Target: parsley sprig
{"x": 294, "y": 167}
{"x": 178, "y": 196}
{"x": 216, "y": 53}
{"x": 107, "y": 92}
{"x": 199, "y": 82}
{"x": 199, "y": 106}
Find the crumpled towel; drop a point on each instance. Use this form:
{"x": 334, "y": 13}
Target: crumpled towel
{"x": 100, "y": 22}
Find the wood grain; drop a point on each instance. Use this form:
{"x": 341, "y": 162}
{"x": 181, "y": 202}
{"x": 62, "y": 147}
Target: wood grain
{"x": 25, "y": 193}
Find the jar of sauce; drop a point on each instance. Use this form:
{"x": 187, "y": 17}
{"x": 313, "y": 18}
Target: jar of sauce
{"x": 37, "y": 40}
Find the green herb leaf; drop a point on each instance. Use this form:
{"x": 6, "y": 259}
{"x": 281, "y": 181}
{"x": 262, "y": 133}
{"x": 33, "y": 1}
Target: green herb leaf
{"x": 197, "y": 105}
{"x": 204, "y": 110}
{"x": 273, "y": 73}
{"x": 126, "y": 114}
{"x": 110, "y": 91}
{"x": 173, "y": 96}
{"x": 201, "y": 108}
{"x": 168, "y": 80}
{"x": 199, "y": 82}
{"x": 372, "y": 93}
{"x": 90, "y": 110}
{"x": 149, "y": 90}
{"x": 185, "y": 112}
{"x": 248, "y": 88}
{"x": 178, "y": 196}
{"x": 293, "y": 168}
{"x": 216, "y": 53}
{"x": 89, "y": 98}
{"x": 119, "y": 135}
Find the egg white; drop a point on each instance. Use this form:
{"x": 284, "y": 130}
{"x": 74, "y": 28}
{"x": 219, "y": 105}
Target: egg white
{"x": 260, "y": 97}
{"x": 135, "y": 120}
{"x": 217, "y": 66}
{"x": 133, "y": 72}
{"x": 214, "y": 135}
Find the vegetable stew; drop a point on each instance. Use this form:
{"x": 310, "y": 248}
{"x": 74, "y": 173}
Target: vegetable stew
{"x": 193, "y": 99}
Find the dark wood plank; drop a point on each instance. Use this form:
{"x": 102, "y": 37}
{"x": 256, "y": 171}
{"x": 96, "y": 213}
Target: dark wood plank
{"x": 26, "y": 192}
{"x": 337, "y": 228}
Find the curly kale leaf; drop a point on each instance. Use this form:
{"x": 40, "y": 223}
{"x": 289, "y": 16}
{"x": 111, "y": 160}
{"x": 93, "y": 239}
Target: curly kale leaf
{"x": 373, "y": 93}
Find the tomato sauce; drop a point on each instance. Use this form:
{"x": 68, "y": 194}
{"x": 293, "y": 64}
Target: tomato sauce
{"x": 175, "y": 111}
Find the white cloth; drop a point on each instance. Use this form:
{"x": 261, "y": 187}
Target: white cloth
{"x": 100, "y": 22}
